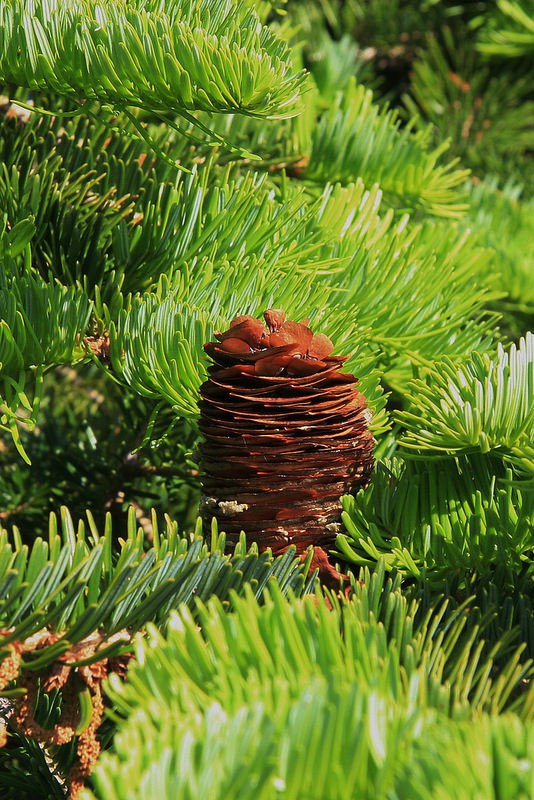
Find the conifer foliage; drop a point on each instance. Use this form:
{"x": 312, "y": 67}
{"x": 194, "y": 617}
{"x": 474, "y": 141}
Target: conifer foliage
{"x": 170, "y": 169}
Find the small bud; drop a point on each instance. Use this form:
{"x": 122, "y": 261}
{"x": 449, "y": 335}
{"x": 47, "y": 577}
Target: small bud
{"x": 274, "y": 318}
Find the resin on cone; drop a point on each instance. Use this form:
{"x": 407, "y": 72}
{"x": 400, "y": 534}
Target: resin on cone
{"x": 285, "y": 434}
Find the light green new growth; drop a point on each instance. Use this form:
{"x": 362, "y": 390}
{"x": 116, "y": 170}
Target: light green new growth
{"x": 441, "y": 520}
{"x": 484, "y": 404}
{"x": 170, "y": 58}
{"x": 40, "y": 326}
{"x": 355, "y": 138}
{"x": 249, "y": 701}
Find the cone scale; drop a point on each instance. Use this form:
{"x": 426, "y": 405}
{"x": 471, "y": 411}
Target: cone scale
{"x": 285, "y": 434}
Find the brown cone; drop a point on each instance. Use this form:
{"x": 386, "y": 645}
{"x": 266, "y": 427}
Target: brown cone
{"x": 285, "y": 434}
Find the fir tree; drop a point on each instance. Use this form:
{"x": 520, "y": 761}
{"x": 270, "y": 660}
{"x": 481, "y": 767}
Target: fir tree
{"x": 168, "y": 166}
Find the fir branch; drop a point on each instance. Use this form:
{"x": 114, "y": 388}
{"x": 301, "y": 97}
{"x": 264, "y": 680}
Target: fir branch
{"x": 46, "y": 174}
{"x": 441, "y": 521}
{"x": 383, "y": 25}
{"x": 156, "y": 347}
{"x": 40, "y": 325}
{"x": 449, "y": 763}
{"x": 307, "y": 669}
{"x": 186, "y": 57}
{"x": 484, "y": 404}
{"x": 355, "y": 138}
{"x": 509, "y": 33}
{"x": 69, "y": 607}
{"x": 421, "y": 270}
{"x": 503, "y": 220}
{"x": 72, "y": 584}
{"x": 486, "y": 115}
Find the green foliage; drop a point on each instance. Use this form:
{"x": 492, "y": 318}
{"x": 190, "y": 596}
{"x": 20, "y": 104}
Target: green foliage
{"x": 491, "y": 757}
{"x": 79, "y": 582}
{"x": 53, "y": 173}
{"x": 438, "y": 521}
{"x": 40, "y": 325}
{"x": 172, "y": 175}
{"x": 157, "y": 360}
{"x": 224, "y": 750}
{"x": 355, "y": 138}
{"x": 510, "y": 33}
{"x": 252, "y": 699}
{"x": 332, "y": 64}
{"x": 484, "y": 404}
{"x": 25, "y": 771}
{"x": 504, "y": 219}
{"x": 169, "y": 59}
{"x": 80, "y": 450}
{"x": 380, "y": 23}
{"x": 422, "y": 283}
{"x": 486, "y": 114}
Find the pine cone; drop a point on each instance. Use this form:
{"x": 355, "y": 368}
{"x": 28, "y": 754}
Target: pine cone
{"x": 285, "y": 434}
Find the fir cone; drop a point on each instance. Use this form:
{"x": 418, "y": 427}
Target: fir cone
{"x": 285, "y": 434}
